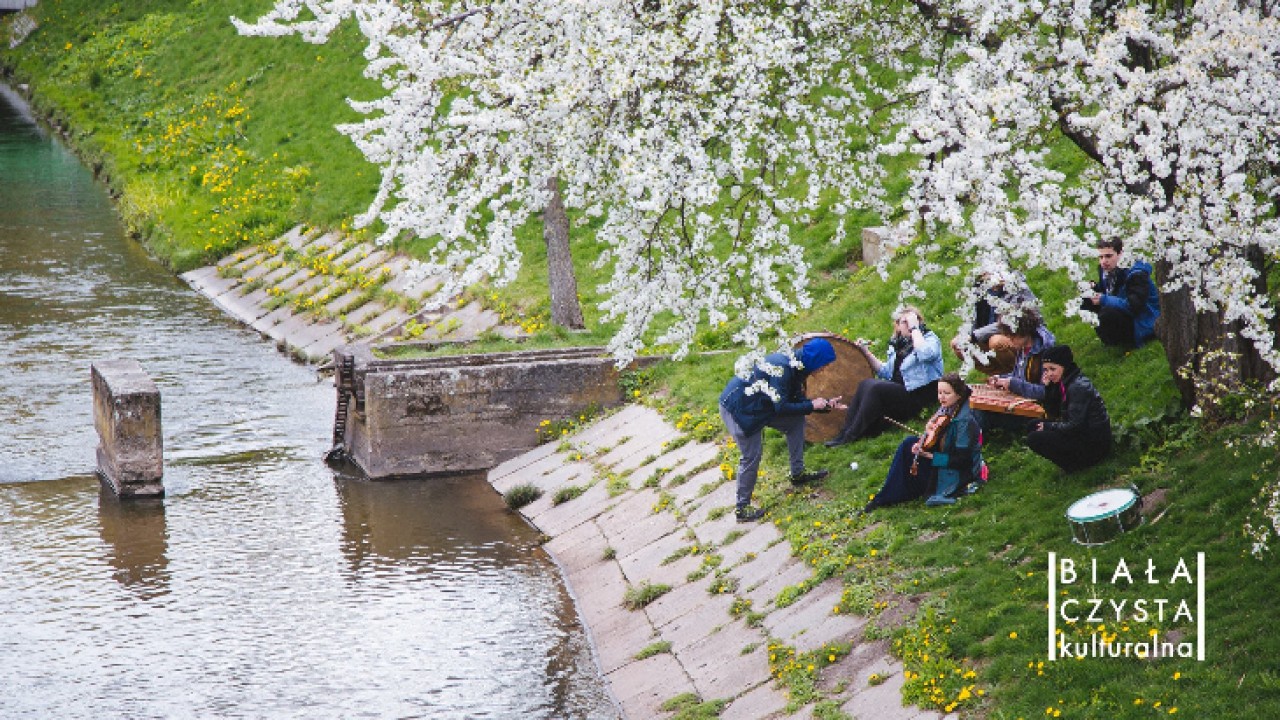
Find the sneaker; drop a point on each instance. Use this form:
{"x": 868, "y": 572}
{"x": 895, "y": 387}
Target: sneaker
{"x": 746, "y": 513}
{"x": 806, "y": 478}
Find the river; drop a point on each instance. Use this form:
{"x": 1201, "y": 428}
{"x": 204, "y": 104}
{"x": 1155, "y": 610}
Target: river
{"x": 264, "y": 585}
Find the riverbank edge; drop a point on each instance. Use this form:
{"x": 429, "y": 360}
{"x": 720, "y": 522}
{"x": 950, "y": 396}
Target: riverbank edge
{"x": 48, "y": 117}
{"x": 678, "y": 600}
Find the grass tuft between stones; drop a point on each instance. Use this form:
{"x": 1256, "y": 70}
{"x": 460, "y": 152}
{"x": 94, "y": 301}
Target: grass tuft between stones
{"x": 521, "y": 495}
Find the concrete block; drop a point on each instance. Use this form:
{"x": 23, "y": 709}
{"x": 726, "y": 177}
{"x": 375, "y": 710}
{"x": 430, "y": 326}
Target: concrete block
{"x": 371, "y": 262}
{"x": 764, "y": 701}
{"x": 578, "y": 550}
{"x": 470, "y": 413}
{"x": 619, "y": 637}
{"x": 710, "y": 613}
{"x": 873, "y": 244}
{"x": 568, "y": 515}
{"x": 126, "y": 414}
{"x": 511, "y": 473}
{"x": 643, "y": 686}
{"x": 729, "y": 662}
{"x": 810, "y": 622}
{"x": 759, "y": 538}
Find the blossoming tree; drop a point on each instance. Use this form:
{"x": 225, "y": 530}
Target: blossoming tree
{"x": 1175, "y": 106}
{"x": 698, "y": 132}
{"x": 701, "y": 132}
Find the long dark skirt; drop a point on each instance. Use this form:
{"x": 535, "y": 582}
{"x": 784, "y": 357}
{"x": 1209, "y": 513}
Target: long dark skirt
{"x": 1067, "y": 452}
{"x": 900, "y": 485}
{"x": 875, "y": 399}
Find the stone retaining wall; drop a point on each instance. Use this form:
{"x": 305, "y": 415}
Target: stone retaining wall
{"x": 461, "y": 413}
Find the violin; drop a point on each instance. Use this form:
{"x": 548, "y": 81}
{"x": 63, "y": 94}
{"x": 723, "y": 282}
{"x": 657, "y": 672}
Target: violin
{"x": 933, "y": 431}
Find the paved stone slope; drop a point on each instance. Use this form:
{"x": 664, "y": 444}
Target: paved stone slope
{"x": 668, "y": 497}
{"x": 312, "y": 292}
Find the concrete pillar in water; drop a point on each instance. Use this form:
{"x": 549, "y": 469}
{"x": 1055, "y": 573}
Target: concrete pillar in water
{"x": 126, "y": 413}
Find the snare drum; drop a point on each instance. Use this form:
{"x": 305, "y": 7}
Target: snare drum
{"x": 1099, "y": 518}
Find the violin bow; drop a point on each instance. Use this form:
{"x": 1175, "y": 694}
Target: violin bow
{"x": 904, "y": 427}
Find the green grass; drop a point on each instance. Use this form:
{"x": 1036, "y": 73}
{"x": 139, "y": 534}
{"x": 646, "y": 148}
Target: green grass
{"x": 976, "y": 571}
{"x": 638, "y": 596}
{"x": 521, "y": 495}
{"x": 210, "y": 140}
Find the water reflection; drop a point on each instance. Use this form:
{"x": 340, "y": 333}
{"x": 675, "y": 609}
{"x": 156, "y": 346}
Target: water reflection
{"x": 261, "y": 586}
{"x": 436, "y": 524}
{"x": 134, "y": 531}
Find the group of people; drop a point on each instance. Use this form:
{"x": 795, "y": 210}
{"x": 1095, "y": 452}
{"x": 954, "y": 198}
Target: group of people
{"x": 1017, "y": 353}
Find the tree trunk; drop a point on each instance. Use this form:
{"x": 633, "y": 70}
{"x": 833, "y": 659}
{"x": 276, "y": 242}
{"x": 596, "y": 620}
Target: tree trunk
{"x": 1187, "y": 335}
{"x": 565, "y": 308}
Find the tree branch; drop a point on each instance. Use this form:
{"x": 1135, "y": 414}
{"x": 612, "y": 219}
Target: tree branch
{"x": 457, "y": 19}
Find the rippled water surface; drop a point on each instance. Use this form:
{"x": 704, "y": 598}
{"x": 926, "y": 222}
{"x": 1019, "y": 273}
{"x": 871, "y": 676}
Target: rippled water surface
{"x": 264, "y": 584}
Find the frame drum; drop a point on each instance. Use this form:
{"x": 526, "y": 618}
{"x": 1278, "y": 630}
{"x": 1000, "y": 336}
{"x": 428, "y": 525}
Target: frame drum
{"x": 1099, "y": 518}
{"x": 850, "y": 368}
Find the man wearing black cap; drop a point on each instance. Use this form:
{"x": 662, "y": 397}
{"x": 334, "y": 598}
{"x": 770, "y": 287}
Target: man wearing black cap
{"x": 1078, "y": 433}
{"x": 747, "y": 408}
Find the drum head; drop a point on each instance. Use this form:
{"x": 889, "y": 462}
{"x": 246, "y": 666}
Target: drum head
{"x": 1103, "y": 504}
{"x": 850, "y": 368}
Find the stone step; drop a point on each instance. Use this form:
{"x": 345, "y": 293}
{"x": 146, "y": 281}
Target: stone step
{"x": 606, "y": 543}
{"x": 248, "y": 283}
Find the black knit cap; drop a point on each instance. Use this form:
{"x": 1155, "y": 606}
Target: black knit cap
{"x": 1059, "y": 355}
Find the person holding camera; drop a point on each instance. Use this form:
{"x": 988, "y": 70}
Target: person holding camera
{"x": 1125, "y": 298}
{"x": 906, "y": 381}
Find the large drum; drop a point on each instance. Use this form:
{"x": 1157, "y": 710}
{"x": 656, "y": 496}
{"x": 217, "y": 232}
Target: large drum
{"x": 850, "y": 368}
{"x": 1099, "y": 518}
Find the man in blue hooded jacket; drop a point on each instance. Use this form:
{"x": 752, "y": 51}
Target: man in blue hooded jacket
{"x": 1125, "y": 299}
{"x": 747, "y": 409}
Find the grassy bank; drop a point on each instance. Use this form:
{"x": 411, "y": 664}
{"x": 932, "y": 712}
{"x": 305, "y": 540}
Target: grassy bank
{"x": 208, "y": 140}
{"x": 212, "y": 141}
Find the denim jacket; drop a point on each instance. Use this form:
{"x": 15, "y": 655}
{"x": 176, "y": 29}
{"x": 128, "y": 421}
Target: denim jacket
{"x": 921, "y": 366}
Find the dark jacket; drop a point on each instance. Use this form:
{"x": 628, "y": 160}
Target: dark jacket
{"x": 1131, "y": 290}
{"x": 1075, "y": 408}
{"x": 753, "y": 411}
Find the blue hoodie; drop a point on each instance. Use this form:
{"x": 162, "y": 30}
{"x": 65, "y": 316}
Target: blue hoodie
{"x": 752, "y": 412}
{"x": 1146, "y": 310}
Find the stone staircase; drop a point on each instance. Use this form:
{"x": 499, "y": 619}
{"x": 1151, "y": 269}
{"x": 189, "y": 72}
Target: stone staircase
{"x": 652, "y": 507}
{"x": 312, "y": 292}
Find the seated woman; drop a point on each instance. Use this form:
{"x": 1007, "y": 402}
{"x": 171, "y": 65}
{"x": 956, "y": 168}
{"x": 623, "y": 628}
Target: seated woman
{"x": 942, "y": 463}
{"x": 1028, "y": 341}
{"x": 905, "y": 381}
{"x": 987, "y": 335}
{"x": 1078, "y": 434}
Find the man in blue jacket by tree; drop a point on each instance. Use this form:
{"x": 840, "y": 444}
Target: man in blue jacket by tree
{"x": 774, "y": 397}
{"x": 1125, "y": 299}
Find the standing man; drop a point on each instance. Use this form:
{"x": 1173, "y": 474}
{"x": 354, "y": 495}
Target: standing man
{"x": 1125, "y": 299}
{"x": 747, "y": 409}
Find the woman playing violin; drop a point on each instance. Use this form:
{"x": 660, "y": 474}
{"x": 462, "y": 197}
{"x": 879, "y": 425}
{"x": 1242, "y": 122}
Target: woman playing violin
{"x": 941, "y": 462}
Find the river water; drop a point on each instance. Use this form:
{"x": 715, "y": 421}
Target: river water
{"x": 264, "y": 585}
